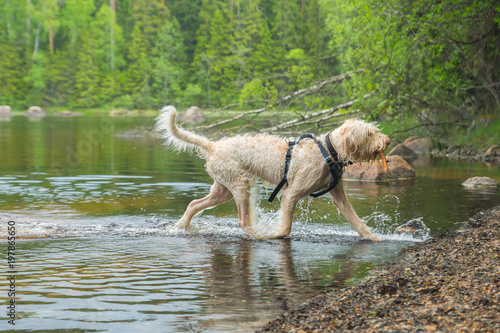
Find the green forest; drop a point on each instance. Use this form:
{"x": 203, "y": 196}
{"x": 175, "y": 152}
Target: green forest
{"x": 435, "y": 61}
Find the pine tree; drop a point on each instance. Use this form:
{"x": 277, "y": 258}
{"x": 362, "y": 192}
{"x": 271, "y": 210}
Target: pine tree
{"x": 187, "y": 14}
{"x": 169, "y": 62}
{"x": 148, "y": 17}
{"x": 208, "y": 52}
{"x": 214, "y": 38}
{"x": 96, "y": 83}
{"x": 286, "y": 16}
{"x": 87, "y": 73}
{"x": 11, "y": 74}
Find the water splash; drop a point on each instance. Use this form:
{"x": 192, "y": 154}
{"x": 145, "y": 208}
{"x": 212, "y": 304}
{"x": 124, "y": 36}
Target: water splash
{"x": 208, "y": 227}
{"x": 60, "y": 217}
{"x": 387, "y": 217}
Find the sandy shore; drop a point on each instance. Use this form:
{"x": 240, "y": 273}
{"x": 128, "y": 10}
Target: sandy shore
{"x": 449, "y": 283}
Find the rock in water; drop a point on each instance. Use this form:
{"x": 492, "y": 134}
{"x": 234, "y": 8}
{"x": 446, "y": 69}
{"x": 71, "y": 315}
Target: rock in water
{"x": 480, "y": 182}
{"x": 399, "y": 169}
{"x": 410, "y": 227}
{"x": 193, "y": 115}
{"x": 491, "y": 153}
{"x": 5, "y": 111}
{"x": 419, "y": 145}
{"x": 404, "y": 152}
{"x": 34, "y": 111}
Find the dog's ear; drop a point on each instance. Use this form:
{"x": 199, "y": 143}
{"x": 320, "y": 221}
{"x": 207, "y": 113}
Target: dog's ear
{"x": 348, "y": 146}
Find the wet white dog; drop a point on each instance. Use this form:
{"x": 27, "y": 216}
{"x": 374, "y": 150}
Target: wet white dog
{"x": 236, "y": 163}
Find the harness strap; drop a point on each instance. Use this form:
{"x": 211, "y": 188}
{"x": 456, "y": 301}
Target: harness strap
{"x": 332, "y": 150}
{"x": 335, "y": 167}
{"x": 288, "y": 157}
{"x": 282, "y": 183}
{"x": 305, "y": 136}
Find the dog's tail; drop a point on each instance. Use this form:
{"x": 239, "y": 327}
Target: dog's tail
{"x": 179, "y": 138}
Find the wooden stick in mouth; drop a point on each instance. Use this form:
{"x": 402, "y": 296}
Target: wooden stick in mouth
{"x": 384, "y": 161}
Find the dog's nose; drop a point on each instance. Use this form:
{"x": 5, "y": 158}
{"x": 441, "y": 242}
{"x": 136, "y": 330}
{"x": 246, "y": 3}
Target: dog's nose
{"x": 388, "y": 141}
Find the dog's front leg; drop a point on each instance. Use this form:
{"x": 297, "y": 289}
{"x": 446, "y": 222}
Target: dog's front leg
{"x": 340, "y": 200}
{"x": 288, "y": 202}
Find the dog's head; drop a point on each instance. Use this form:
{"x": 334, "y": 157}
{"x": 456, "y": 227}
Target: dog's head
{"x": 357, "y": 140}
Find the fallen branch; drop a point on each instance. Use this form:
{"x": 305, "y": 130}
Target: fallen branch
{"x": 231, "y": 105}
{"x": 322, "y": 119}
{"x": 302, "y": 119}
{"x": 308, "y": 90}
{"x": 318, "y": 86}
{"x": 241, "y": 115}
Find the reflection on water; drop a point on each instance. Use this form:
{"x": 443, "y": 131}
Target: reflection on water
{"x": 169, "y": 281}
{"x": 97, "y": 249}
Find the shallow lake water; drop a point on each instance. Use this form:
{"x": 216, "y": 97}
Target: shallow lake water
{"x": 96, "y": 249}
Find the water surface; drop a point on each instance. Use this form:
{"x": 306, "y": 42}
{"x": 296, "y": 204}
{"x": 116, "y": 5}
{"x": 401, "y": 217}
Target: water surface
{"x": 97, "y": 251}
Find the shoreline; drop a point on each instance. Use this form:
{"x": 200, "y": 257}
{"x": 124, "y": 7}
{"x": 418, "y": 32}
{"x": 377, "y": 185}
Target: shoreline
{"x": 449, "y": 283}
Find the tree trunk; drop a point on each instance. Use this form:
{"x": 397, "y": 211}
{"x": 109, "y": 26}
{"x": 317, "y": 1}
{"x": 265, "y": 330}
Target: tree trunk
{"x": 112, "y": 36}
{"x": 230, "y": 11}
{"x": 51, "y": 37}
{"x": 37, "y": 39}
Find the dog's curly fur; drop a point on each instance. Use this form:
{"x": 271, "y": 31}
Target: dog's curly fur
{"x": 236, "y": 163}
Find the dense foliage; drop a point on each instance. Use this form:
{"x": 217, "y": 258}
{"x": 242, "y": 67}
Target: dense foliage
{"x": 147, "y": 53}
{"x": 435, "y": 60}
{"x": 438, "y": 61}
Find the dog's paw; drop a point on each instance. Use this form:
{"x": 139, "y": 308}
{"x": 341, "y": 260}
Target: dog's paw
{"x": 376, "y": 239}
{"x": 181, "y": 225}
{"x": 261, "y": 236}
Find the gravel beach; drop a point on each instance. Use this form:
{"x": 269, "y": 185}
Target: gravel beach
{"x": 449, "y": 283}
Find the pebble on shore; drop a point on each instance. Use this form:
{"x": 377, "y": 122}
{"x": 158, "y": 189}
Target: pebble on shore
{"x": 449, "y": 283}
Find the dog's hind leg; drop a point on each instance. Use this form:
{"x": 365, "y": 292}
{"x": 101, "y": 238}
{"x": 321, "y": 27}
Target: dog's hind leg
{"x": 340, "y": 200}
{"x": 218, "y": 194}
{"x": 245, "y": 195}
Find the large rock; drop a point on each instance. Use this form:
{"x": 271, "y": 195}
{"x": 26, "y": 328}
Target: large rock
{"x": 404, "y": 152}
{"x": 193, "y": 115}
{"x": 491, "y": 153}
{"x": 119, "y": 113}
{"x": 5, "y": 111}
{"x": 68, "y": 114}
{"x": 398, "y": 169}
{"x": 34, "y": 111}
{"x": 480, "y": 182}
{"x": 411, "y": 227}
{"x": 419, "y": 145}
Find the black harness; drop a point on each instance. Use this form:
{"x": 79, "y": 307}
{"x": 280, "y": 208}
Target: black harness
{"x": 335, "y": 167}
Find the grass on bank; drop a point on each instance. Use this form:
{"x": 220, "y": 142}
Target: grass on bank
{"x": 478, "y": 134}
